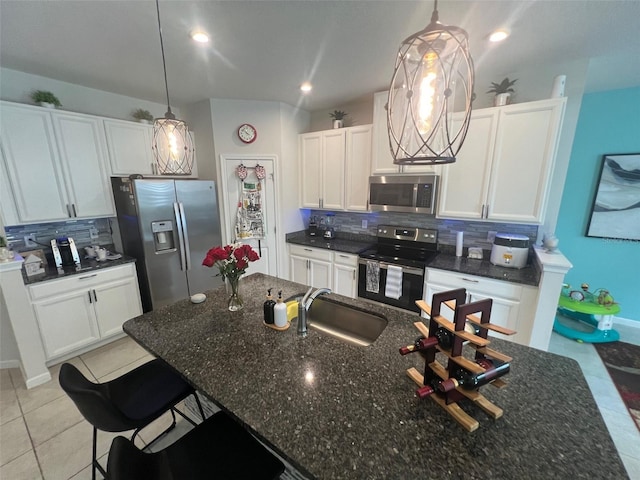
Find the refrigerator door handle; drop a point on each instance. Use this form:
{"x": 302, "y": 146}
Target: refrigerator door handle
{"x": 176, "y": 212}
{"x": 187, "y": 248}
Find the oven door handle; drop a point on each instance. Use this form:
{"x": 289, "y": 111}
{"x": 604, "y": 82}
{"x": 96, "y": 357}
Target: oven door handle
{"x": 405, "y": 270}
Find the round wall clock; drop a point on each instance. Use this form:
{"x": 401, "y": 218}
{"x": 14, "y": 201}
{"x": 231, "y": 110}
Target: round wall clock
{"x": 247, "y": 133}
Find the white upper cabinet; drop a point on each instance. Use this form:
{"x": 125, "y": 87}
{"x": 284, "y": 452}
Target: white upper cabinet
{"x": 56, "y": 165}
{"x": 129, "y": 146}
{"x": 83, "y": 155}
{"x": 32, "y": 165}
{"x": 335, "y": 166}
{"x": 503, "y": 171}
{"x": 358, "y": 165}
{"x": 381, "y": 159}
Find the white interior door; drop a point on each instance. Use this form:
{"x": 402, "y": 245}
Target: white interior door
{"x": 230, "y": 194}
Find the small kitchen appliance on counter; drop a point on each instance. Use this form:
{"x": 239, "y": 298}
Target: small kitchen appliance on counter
{"x": 65, "y": 252}
{"x": 313, "y": 226}
{"x": 510, "y": 250}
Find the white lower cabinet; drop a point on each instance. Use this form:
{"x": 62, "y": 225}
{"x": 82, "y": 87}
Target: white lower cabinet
{"x": 345, "y": 274}
{"x": 310, "y": 266}
{"x": 77, "y": 311}
{"x": 513, "y": 304}
{"x": 320, "y": 268}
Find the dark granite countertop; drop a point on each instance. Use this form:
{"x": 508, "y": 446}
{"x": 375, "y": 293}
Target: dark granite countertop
{"x": 340, "y": 411}
{"x": 445, "y": 260}
{"x": 352, "y": 244}
{"x": 529, "y": 275}
{"x": 86, "y": 265}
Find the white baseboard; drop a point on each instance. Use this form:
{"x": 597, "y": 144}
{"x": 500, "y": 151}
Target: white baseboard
{"x": 38, "y": 380}
{"x": 627, "y": 322}
{"x": 9, "y": 364}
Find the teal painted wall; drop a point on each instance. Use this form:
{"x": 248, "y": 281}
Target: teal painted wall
{"x": 609, "y": 123}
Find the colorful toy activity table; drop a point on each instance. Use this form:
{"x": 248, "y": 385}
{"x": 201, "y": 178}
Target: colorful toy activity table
{"x": 594, "y": 314}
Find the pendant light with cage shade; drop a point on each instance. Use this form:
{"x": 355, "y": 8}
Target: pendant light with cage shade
{"x": 433, "y": 75}
{"x": 172, "y": 143}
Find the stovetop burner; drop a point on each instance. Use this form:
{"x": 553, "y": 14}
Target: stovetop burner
{"x": 407, "y": 246}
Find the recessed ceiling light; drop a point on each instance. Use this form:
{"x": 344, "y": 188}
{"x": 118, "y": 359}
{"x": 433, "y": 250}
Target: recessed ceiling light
{"x": 498, "y": 35}
{"x": 199, "y": 36}
{"x": 306, "y": 87}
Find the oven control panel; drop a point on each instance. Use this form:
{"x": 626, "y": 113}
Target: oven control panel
{"x": 414, "y": 234}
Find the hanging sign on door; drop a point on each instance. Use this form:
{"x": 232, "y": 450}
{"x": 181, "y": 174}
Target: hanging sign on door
{"x": 250, "y": 216}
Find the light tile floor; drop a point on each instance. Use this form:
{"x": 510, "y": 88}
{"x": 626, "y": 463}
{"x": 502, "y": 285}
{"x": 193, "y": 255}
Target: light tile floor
{"x": 42, "y": 434}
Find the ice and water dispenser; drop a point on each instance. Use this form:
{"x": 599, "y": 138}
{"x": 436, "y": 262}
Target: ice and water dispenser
{"x": 163, "y": 235}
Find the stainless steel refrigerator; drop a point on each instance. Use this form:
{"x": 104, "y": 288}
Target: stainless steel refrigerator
{"x": 168, "y": 226}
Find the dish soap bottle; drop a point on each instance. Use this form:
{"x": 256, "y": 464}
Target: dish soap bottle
{"x": 280, "y": 312}
{"x": 268, "y": 308}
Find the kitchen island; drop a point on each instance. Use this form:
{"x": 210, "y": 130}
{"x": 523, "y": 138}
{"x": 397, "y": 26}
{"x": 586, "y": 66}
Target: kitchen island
{"x": 340, "y": 411}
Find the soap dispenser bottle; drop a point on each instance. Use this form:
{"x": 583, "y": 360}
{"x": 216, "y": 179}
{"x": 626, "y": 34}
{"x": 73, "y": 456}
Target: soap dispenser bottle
{"x": 268, "y": 308}
{"x": 280, "y": 312}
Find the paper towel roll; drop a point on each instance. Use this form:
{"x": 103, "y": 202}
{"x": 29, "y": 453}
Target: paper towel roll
{"x": 459, "y": 242}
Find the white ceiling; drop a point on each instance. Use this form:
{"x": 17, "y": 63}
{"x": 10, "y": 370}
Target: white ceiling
{"x": 264, "y": 50}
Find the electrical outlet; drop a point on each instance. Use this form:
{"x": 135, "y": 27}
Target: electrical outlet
{"x": 93, "y": 233}
{"x": 365, "y": 223}
{"x": 30, "y": 240}
{"x": 491, "y": 236}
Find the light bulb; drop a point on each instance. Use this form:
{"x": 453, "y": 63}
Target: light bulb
{"x": 427, "y": 94}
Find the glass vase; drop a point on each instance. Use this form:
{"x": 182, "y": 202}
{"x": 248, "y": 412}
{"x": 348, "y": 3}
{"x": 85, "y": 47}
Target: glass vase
{"x": 233, "y": 290}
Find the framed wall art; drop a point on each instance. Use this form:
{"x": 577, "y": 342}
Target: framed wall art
{"x": 615, "y": 212}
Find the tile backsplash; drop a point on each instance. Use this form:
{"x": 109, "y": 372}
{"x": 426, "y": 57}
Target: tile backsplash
{"x": 475, "y": 233}
{"x": 80, "y": 230}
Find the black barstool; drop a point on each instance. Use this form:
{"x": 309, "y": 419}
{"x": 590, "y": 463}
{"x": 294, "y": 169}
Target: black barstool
{"x": 129, "y": 402}
{"x": 217, "y": 448}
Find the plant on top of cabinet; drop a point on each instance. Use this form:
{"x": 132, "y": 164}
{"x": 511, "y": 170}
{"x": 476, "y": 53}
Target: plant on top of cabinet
{"x": 45, "y": 99}
{"x": 143, "y": 116}
{"x": 502, "y": 90}
{"x": 338, "y": 118}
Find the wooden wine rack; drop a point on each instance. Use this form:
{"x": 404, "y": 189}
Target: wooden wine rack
{"x": 435, "y": 372}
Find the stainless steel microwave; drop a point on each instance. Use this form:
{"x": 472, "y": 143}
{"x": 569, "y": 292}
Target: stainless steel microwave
{"x": 403, "y": 193}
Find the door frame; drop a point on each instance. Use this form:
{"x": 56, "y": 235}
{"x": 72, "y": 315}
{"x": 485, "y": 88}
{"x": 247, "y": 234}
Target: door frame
{"x": 224, "y": 205}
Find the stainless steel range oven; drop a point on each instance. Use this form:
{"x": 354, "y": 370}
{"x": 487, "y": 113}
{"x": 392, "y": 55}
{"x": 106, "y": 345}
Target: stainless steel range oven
{"x": 392, "y": 272}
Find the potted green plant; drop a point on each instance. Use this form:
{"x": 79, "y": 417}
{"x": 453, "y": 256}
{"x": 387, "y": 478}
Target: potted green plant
{"x": 338, "y": 118}
{"x": 45, "y": 99}
{"x": 143, "y": 116}
{"x": 502, "y": 91}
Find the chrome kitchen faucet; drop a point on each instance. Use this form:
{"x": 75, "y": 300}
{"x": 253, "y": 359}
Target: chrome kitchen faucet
{"x": 303, "y": 308}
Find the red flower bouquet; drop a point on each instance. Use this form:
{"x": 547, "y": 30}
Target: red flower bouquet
{"x": 231, "y": 260}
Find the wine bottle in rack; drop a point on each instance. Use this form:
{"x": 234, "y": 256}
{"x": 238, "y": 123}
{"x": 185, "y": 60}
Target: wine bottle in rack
{"x": 470, "y": 381}
{"x": 421, "y": 343}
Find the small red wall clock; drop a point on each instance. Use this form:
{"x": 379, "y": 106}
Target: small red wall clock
{"x": 247, "y": 133}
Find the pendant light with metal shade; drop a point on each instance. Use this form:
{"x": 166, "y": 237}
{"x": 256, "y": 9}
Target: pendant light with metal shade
{"x": 172, "y": 144}
{"x": 432, "y": 71}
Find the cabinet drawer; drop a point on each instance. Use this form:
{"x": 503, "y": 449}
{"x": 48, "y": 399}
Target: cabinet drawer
{"x": 487, "y": 286}
{"x": 346, "y": 259}
{"x": 79, "y": 281}
{"x": 315, "y": 253}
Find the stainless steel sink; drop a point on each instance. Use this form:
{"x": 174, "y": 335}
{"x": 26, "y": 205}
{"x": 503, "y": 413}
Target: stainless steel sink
{"x": 345, "y": 322}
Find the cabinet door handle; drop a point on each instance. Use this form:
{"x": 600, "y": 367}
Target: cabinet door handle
{"x": 73, "y": 207}
{"x": 89, "y": 293}
{"x": 95, "y": 296}
{"x": 343, "y": 256}
{"x": 482, "y": 213}
{"x": 69, "y": 211}
{"x": 308, "y": 250}
{"x": 153, "y": 168}
{"x": 470, "y": 280}
{"x": 486, "y": 215}
{"x": 88, "y": 276}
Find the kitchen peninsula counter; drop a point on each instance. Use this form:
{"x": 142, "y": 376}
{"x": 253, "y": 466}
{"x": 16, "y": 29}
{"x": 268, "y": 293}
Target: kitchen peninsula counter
{"x": 340, "y": 411}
